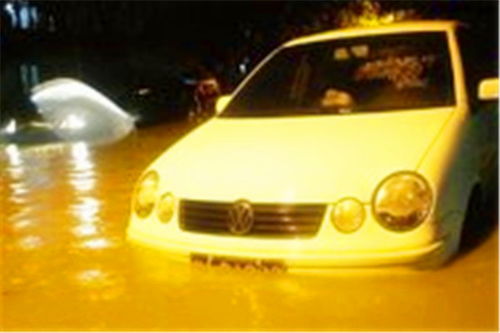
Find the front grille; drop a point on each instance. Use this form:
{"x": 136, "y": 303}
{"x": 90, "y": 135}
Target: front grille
{"x": 277, "y": 220}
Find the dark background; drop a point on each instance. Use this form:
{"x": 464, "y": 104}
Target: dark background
{"x": 121, "y": 46}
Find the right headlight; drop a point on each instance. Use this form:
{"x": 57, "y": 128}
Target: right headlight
{"x": 145, "y": 194}
{"x": 402, "y": 201}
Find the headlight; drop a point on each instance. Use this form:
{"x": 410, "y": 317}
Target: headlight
{"x": 402, "y": 201}
{"x": 165, "y": 209}
{"x": 348, "y": 215}
{"x": 145, "y": 194}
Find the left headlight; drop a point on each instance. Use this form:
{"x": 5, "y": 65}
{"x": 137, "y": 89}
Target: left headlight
{"x": 145, "y": 194}
{"x": 348, "y": 215}
{"x": 165, "y": 208}
{"x": 402, "y": 201}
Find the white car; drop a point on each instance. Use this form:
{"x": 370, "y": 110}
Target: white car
{"x": 351, "y": 147}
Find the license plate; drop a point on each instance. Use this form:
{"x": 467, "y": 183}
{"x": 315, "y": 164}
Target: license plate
{"x": 264, "y": 265}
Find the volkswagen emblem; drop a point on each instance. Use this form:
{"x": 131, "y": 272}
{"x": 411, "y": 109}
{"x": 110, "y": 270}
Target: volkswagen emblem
{"x": 240, "y": 217}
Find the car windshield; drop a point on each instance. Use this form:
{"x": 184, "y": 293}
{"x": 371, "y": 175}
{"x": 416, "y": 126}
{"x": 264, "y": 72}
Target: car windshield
{"x": 351, "y": 75}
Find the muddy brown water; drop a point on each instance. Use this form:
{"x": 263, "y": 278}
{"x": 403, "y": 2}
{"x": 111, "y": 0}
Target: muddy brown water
{"x": 66, "y": 264}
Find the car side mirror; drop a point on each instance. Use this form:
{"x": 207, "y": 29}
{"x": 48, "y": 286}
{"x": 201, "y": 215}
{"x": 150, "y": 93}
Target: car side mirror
{"x": 488, "y": 89}
{"x": 221, "y": 103}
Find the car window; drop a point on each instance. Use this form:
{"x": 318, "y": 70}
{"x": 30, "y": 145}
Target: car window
{"x": 368, "y": 74}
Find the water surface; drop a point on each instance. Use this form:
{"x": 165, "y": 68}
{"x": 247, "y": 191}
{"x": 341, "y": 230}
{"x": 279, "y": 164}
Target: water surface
{"x": 67, "y": 266}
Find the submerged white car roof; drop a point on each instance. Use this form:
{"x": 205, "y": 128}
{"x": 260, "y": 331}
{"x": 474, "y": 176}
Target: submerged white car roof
{"x": 405, "y": 26}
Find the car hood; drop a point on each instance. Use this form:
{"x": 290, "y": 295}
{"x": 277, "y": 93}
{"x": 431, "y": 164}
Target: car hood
{"x": 297, "y": 159}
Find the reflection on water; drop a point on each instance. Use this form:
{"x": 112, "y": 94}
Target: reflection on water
{"x": 14, "y": 156}
{"x": 95, "y": 244}
{"x": 30, "y": 242}
{"x": 66, "y": 264}
{"x": 98, "y": 284}
{"x": 84, "y": 230}
{"x": 85, "y": 209}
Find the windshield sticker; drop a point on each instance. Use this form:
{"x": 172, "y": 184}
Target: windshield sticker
{"x": 403, "y": 72}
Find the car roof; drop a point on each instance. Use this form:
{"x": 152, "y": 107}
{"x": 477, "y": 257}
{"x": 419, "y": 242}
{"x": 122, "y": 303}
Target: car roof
{"x": 399, "y": 27}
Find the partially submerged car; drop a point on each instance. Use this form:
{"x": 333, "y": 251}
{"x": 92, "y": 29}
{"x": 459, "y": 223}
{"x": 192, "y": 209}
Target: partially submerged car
{"x": 352, "y": 147}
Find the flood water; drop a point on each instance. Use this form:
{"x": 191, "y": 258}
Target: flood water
{"x": 66, "y": 264}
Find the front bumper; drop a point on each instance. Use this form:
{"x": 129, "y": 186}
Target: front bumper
{"x": 293, "y": 253}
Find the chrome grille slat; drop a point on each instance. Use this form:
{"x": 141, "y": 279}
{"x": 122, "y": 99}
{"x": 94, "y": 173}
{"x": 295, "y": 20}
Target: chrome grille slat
{"x": 288, "y": 209}
{"x": 206, "y": 214}
{"x": 216, "y": 229}
{"x": 262, "y": 227}
{"x": 205, "y": 205}
{"x": 293, "y": 215}
{"x": 287, "y": 222}
{"x": 277, "y": 220}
